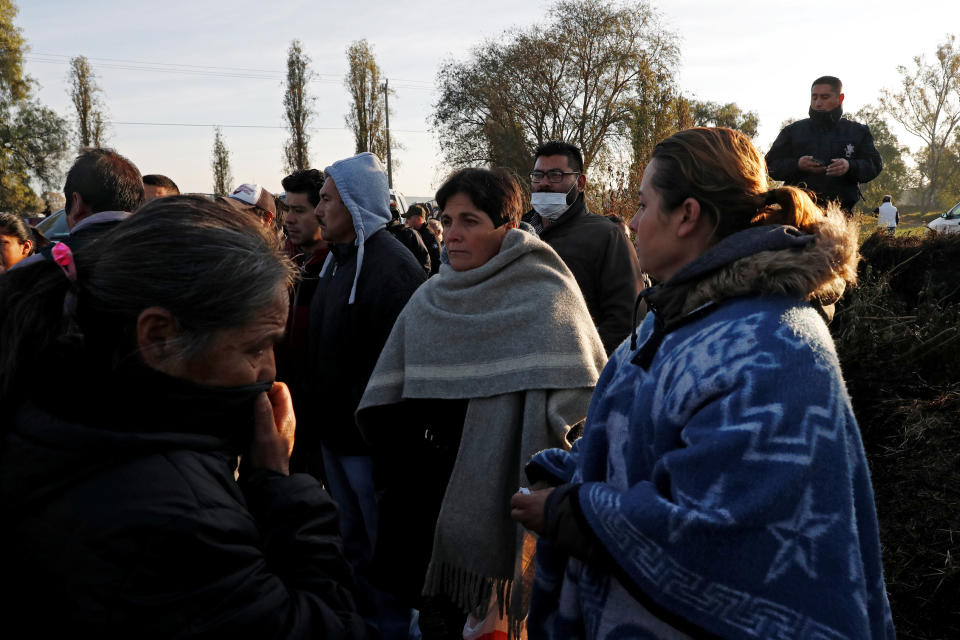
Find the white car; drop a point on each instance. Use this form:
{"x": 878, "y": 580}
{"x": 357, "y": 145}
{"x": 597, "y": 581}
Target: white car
{"x": 397, "y": 198}
{"x": 948, "y": 222}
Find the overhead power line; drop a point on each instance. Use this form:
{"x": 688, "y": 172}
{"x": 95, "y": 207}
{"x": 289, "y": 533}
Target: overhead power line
{"x": 242, "y": 126}
{"x": 209, "y": 70}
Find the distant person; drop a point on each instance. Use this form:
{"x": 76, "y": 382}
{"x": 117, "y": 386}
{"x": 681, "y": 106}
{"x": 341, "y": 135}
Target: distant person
{"x": 16, "y": 240}
{"x": 123, "y": 513}
{"x": 410, "y": 239}
{"x": 888, "y": 217}
{"x": 158, "y": 186}
{"x": 602, "y": 260}
{"x": 437, "y": 227}
{"x": 416, "y": 218}
{"x": 253, "y": 198}
{"x": 365, "y": 282}
{"x": 826, "y": 153}
{"x": 102, "y": 189}
{"x": 310, "y": 251}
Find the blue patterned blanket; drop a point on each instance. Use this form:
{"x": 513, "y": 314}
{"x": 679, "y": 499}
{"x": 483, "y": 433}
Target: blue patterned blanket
{"x": 727, "y": 486}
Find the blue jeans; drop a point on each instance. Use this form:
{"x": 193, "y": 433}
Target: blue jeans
{"x": 350, "y": 484}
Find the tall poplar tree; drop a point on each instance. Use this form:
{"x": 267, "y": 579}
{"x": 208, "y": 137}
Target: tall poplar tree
{"x": 297, "y": 108}
{"x": 86, "y": 96}
{"x": 366, "y": 117}
{"x": 220, "y": 163}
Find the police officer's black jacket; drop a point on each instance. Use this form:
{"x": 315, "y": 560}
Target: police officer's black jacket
{"x": 845, "y": 139}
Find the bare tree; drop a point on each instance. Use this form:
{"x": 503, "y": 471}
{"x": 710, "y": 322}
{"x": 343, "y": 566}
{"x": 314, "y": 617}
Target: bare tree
{"x": 896, "y": 176}
{"x": 577, "y": 78}
{"x": 297, "y": 108}
{"x": 367, "y": 116}
{"x": 86, "y": 97}
{"x": 928, "y": 107}
{"x": 221, "y": 165}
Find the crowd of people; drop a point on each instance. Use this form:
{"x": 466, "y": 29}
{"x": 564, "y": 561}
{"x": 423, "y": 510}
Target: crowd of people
{"x": 306, "y": 417}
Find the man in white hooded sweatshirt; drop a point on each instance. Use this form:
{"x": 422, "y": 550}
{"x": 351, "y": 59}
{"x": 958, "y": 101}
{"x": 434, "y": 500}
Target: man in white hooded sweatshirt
{"x": 887, "y": 215}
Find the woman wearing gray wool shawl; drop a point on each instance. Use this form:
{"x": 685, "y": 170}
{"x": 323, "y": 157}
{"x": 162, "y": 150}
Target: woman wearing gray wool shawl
{"x": 514, "y": 338}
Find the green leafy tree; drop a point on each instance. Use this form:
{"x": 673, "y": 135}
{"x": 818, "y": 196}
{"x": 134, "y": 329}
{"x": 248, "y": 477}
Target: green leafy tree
{"x": 297, "y": 108}
{"x": 896, "y": 176}
{"x": 33, "y": 142}
{"x": 86, "y": 96}
{"x": 220, "y": 163}
{"x": 575, "y": 78}
{"x": 659, "y": 112}
{"x": 928, "y": 107}
{"x": 713, "y": 114}
{"x": 950, "y": 193}
{"x": 14, "y": 85}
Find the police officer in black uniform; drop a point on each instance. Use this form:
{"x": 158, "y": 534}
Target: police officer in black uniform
{"x": 825, "y": 153}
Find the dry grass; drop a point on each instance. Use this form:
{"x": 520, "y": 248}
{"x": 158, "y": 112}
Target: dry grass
{"x": 898, "y": 336}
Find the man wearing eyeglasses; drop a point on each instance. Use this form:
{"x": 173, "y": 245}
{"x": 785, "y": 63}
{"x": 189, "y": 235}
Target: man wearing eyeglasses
{"x": 595, "y": 250}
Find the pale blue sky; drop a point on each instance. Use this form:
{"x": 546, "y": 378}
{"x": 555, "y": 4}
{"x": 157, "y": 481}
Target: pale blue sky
{"x": 760, "y": 54}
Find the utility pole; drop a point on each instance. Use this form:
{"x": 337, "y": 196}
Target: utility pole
{"x": 386, "y": 101}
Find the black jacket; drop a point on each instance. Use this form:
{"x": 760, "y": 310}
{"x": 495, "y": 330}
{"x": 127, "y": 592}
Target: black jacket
{"x": 605, "y": 265}
{"x": 291, "y": 352}
{"x": 345, "y": 340}
{"x": 122, "y": 519}
{"x": 416, "y": 443}
{"x": 846, "y": 139}
{"x": 413, "y": 241}
{"x": 433, "y": 247}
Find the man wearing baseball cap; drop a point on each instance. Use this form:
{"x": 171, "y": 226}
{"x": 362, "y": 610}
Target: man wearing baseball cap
{"x": 255, "y": 199}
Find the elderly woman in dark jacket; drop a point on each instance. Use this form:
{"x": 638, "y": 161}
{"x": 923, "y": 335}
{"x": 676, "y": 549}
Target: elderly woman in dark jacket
{"x": 123, "y": 515}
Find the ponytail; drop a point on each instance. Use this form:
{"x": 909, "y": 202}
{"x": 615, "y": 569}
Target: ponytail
{"x": 722, "y": 170}
{"x": 789, "y": 206}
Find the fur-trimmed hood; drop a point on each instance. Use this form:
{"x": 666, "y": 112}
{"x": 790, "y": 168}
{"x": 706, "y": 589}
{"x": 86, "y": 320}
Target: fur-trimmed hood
{"x": 766, "y": 260}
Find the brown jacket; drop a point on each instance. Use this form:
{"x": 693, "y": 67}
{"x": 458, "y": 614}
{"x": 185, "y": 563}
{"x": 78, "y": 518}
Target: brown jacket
{"x": 605, "y": 265}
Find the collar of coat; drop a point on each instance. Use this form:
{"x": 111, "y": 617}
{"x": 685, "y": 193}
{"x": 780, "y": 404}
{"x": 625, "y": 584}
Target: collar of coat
{"x": 767, "y": 260}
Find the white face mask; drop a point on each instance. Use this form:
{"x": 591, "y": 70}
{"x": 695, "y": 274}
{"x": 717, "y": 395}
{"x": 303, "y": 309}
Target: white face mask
{"x": 550, "y": 205}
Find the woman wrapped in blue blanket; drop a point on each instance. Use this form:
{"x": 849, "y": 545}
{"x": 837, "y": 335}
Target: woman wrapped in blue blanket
{"x": 720, "y": 488}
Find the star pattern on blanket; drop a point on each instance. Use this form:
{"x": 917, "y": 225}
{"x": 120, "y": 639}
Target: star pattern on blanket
{"x": 798, "y": 537}
{"x": 706, "y": 509}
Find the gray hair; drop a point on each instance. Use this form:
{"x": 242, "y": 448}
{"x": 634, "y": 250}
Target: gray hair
{"x": 211, "y": 266}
